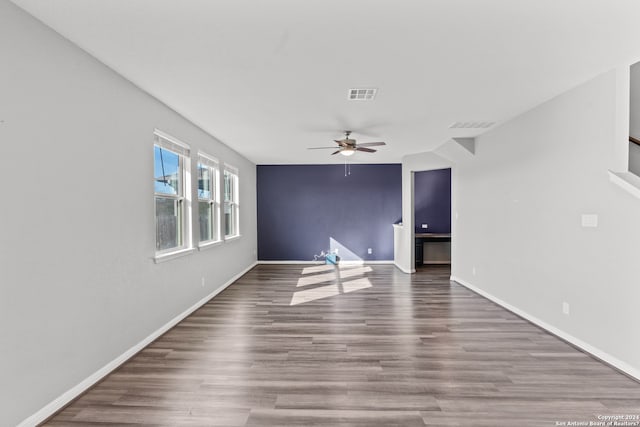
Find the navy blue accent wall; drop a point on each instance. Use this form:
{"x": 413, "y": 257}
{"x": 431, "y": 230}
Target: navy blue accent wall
{"x": 306, "y": 209}
{"x": 432, "y": 201}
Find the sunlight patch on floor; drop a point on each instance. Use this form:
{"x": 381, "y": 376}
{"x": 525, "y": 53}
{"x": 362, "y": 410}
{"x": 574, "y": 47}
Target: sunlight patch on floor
{"x": 356, "y": 285}
{"x": 307, "y": 295}
{"x": 336, "y": 280}
{"x": 314, "y": 294}
{"x": 317, "y": 269}
{"x": 331, "y": 276}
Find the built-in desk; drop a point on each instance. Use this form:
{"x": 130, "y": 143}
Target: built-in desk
{"x": 433, "y": 248}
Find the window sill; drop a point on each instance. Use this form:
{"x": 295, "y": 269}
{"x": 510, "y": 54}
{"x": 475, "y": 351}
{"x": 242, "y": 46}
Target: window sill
{"x": 232, "y": 238}
{"x": 172, "y": 255}
{"x": 207, "y": 245}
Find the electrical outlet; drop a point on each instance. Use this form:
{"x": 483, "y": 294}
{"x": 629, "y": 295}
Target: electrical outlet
{"x": 425, "y": 225}
{"x": 203, "y": 281}
{"x": 473, "y": 271}
{"x": 565, "y": 308}
{"x": 369, "y": 251}
{"x": 335, "y": 251}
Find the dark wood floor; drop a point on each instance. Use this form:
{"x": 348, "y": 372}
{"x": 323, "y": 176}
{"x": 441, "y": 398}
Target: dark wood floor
{"x": 296, "y": 346}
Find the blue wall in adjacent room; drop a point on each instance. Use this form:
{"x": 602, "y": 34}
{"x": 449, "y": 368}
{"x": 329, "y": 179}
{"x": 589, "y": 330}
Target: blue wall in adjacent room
{"x": 432, "y": 201}
{"x": 306, "y": 209}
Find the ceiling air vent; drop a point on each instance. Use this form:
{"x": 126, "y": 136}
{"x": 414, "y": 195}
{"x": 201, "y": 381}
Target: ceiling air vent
{"x": 366, "y": 94}
{"x": 471, "y": 125}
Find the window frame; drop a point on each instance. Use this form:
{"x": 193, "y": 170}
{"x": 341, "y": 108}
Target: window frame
{"x": 182, "y": 150}
{"x": 211, "y": 163}
{"x": 234, "y": 202}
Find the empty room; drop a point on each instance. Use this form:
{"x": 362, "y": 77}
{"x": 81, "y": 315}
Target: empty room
{"x": 320, "y": 213}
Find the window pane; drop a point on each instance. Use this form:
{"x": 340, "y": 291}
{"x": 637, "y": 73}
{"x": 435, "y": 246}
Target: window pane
{"x": 230, "y": 220}
{"x": 228, "y": 227}
{"x": 230, "y": 184}
{"x": 215, "y": 189}
{"x": 234, "y": 220}
{"x": 204, "y": 182}
{"x": 216, "y": 222}
{"x": 166, "y": 170}
{"x": 168, "y": 223}
{"x": 206, "y": 221}
{"x": 227, "y": 186}
{"x": 231, "y": 204}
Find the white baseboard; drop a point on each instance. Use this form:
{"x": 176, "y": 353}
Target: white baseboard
{"x": 404, "y": 270}
{"x": 85, "y": 384}
{"x": 343, "y": 262}
{"x": 290, "y": 262}
{"x": 379, "y": 262}
{"x": 588, "y": 348}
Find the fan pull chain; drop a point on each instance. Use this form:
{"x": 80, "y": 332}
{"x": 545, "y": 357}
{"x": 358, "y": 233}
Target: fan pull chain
{"x": 347, "y": 168}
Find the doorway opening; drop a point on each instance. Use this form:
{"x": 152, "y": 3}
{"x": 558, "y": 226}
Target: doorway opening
{"x": 432, "y": 217}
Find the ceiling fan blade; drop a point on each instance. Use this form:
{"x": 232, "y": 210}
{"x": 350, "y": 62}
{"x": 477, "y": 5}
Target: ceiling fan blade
{"x": 336, "y": 152}
{"x": 371, "y": 144}
{"x": 320, "y": 148}
{"x": 340, "y": 143}
{"x": 366, "y": 150}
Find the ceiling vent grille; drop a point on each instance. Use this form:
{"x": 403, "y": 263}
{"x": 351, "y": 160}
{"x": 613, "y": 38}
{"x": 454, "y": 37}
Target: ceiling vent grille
{"x": 366, "y": 94}
{"x": 471, "y": 125}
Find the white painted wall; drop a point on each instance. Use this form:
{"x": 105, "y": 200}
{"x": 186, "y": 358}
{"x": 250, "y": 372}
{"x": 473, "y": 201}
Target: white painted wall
{"x": 78, "y": 286}
{"x": 520, "y": 201}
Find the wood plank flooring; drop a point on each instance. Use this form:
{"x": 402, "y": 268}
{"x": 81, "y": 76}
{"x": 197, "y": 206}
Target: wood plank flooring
{"x": 362, "y": 346}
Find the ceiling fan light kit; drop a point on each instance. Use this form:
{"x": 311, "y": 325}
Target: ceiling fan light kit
{"x": 348, "y": 147}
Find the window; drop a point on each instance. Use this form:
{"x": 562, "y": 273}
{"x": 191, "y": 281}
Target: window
{"x": 208, "y": 205}
{"x": 231, "y": 206}
{"x": 172, "y": 191}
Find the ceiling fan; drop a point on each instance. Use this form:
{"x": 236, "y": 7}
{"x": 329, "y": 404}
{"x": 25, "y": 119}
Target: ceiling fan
{"x": 348, "y": 147}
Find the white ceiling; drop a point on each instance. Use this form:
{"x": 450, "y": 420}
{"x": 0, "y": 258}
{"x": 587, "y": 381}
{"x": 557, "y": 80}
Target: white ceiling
{"x": 270, "y": 78}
